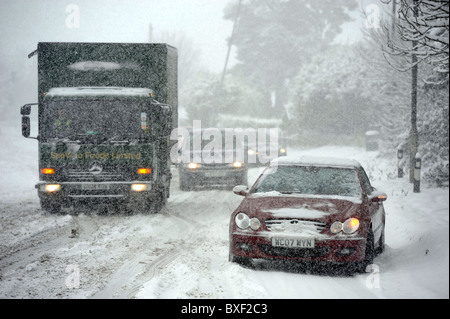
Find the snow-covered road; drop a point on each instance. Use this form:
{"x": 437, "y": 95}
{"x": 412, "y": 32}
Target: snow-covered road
{"x": 182, "y": 252}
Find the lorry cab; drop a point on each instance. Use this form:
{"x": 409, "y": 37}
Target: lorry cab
{"x": 100, "y": 144}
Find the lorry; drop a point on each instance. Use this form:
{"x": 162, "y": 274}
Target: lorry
{"x": 105, "y": 112}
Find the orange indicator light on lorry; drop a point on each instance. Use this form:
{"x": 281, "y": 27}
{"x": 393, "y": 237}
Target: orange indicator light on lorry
{"x": 47, "y": 171}
{"x": 144, "y": 171}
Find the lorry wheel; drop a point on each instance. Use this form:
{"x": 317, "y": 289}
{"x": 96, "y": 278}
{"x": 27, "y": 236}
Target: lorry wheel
{"x": 50, "y": 207}
{"x": 156, "y": 203}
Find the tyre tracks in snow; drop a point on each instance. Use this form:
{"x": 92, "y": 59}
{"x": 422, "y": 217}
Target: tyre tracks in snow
{"x": 140, "y": 268}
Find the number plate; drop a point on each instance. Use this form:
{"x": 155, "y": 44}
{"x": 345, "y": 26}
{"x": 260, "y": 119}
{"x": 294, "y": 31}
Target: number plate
{"x": 215, "y": 174}
{"x": 94, "y": 187}
{"x": 293, "y": 242}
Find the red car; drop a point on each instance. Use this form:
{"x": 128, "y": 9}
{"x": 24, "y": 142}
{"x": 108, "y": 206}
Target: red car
{"x": 309, "y": 210}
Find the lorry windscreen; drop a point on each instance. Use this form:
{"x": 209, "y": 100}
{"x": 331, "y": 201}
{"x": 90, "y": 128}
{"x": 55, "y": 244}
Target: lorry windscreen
{"x": 109, "y": 117}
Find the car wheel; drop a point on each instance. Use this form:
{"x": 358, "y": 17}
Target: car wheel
{"x": 381, "y": 244}
{"x": 242, "y": 261}
{"x": 370, "y": 252}
{"x": 184, "y": 185}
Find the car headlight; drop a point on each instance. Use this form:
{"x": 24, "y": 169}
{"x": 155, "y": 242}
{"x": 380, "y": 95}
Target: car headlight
{"x": 336, "y": 227}
{"x": 193, "y": 165}
{"x": 236, "y": 164}
{"x": 282, "y": 150}
{"x": 242, "y": 221}
{"x": 350, "y": 225}
{"x": 255, "y": 224}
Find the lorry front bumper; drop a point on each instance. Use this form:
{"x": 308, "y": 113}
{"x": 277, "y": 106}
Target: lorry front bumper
{"x": 67, "y": 192}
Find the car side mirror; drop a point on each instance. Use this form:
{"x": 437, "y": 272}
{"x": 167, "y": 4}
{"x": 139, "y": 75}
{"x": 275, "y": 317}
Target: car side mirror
{"x": 377, "y": 196}
{"x": 241, "y": 190}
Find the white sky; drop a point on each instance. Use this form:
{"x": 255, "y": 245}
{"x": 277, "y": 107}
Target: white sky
{"x": 23, "y": 23}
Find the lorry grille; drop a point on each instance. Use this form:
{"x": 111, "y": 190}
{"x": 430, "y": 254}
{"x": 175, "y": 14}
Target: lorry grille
{"x": 86, "y": 176}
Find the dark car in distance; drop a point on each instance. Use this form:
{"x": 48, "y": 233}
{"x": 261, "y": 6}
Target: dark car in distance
{"x": 215, "y": 161}
{"x": 309, "y": 210}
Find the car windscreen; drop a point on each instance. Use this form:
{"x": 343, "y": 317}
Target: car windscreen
{"x": 311, "y": 180}
{"x": 110, "y": 117}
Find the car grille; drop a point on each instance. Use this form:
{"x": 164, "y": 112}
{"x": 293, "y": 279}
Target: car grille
{"x": 77, "y": 175}
{"x": 295, "y": 225}
{"x": 294, "y": 252}
{"x": 217, "y": 166}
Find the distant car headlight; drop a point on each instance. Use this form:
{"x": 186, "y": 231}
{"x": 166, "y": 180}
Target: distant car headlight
{"x": 336, "y": 227}
{"x": 236, "y": 164}
{"x": 282, "y": 150}
{"x": 250, "y": 152}
{"x": 242, "y": 221}
{"x": 255, "y": 224}
{"x": 350, "y": 225}
{"x": 193, "y": 165}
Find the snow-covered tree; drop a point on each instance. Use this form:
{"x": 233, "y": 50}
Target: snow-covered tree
{"x": 275, "y": 37}
{"x": 331, "y": 97}
{"x": 422, "y": 36}
{"x": 425, "y": 24}
{"x": 208, "y": 100}
{"x": 414, "y": 104}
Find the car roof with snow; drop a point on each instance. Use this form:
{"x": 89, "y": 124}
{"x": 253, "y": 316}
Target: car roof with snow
{"x": 315, "y": 161}
{"x": 98, "y": 91}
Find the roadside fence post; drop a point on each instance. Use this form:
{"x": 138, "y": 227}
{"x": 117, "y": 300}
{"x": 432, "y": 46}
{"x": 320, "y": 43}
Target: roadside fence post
{"x": 417, "y": 169}
{"x": 399, "y": 162}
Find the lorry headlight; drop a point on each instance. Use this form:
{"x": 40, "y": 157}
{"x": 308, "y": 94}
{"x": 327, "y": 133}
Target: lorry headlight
{"x": 138, "y": 187}
{"x": 242, "y": 221}
{"x": 51, "y": 188}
